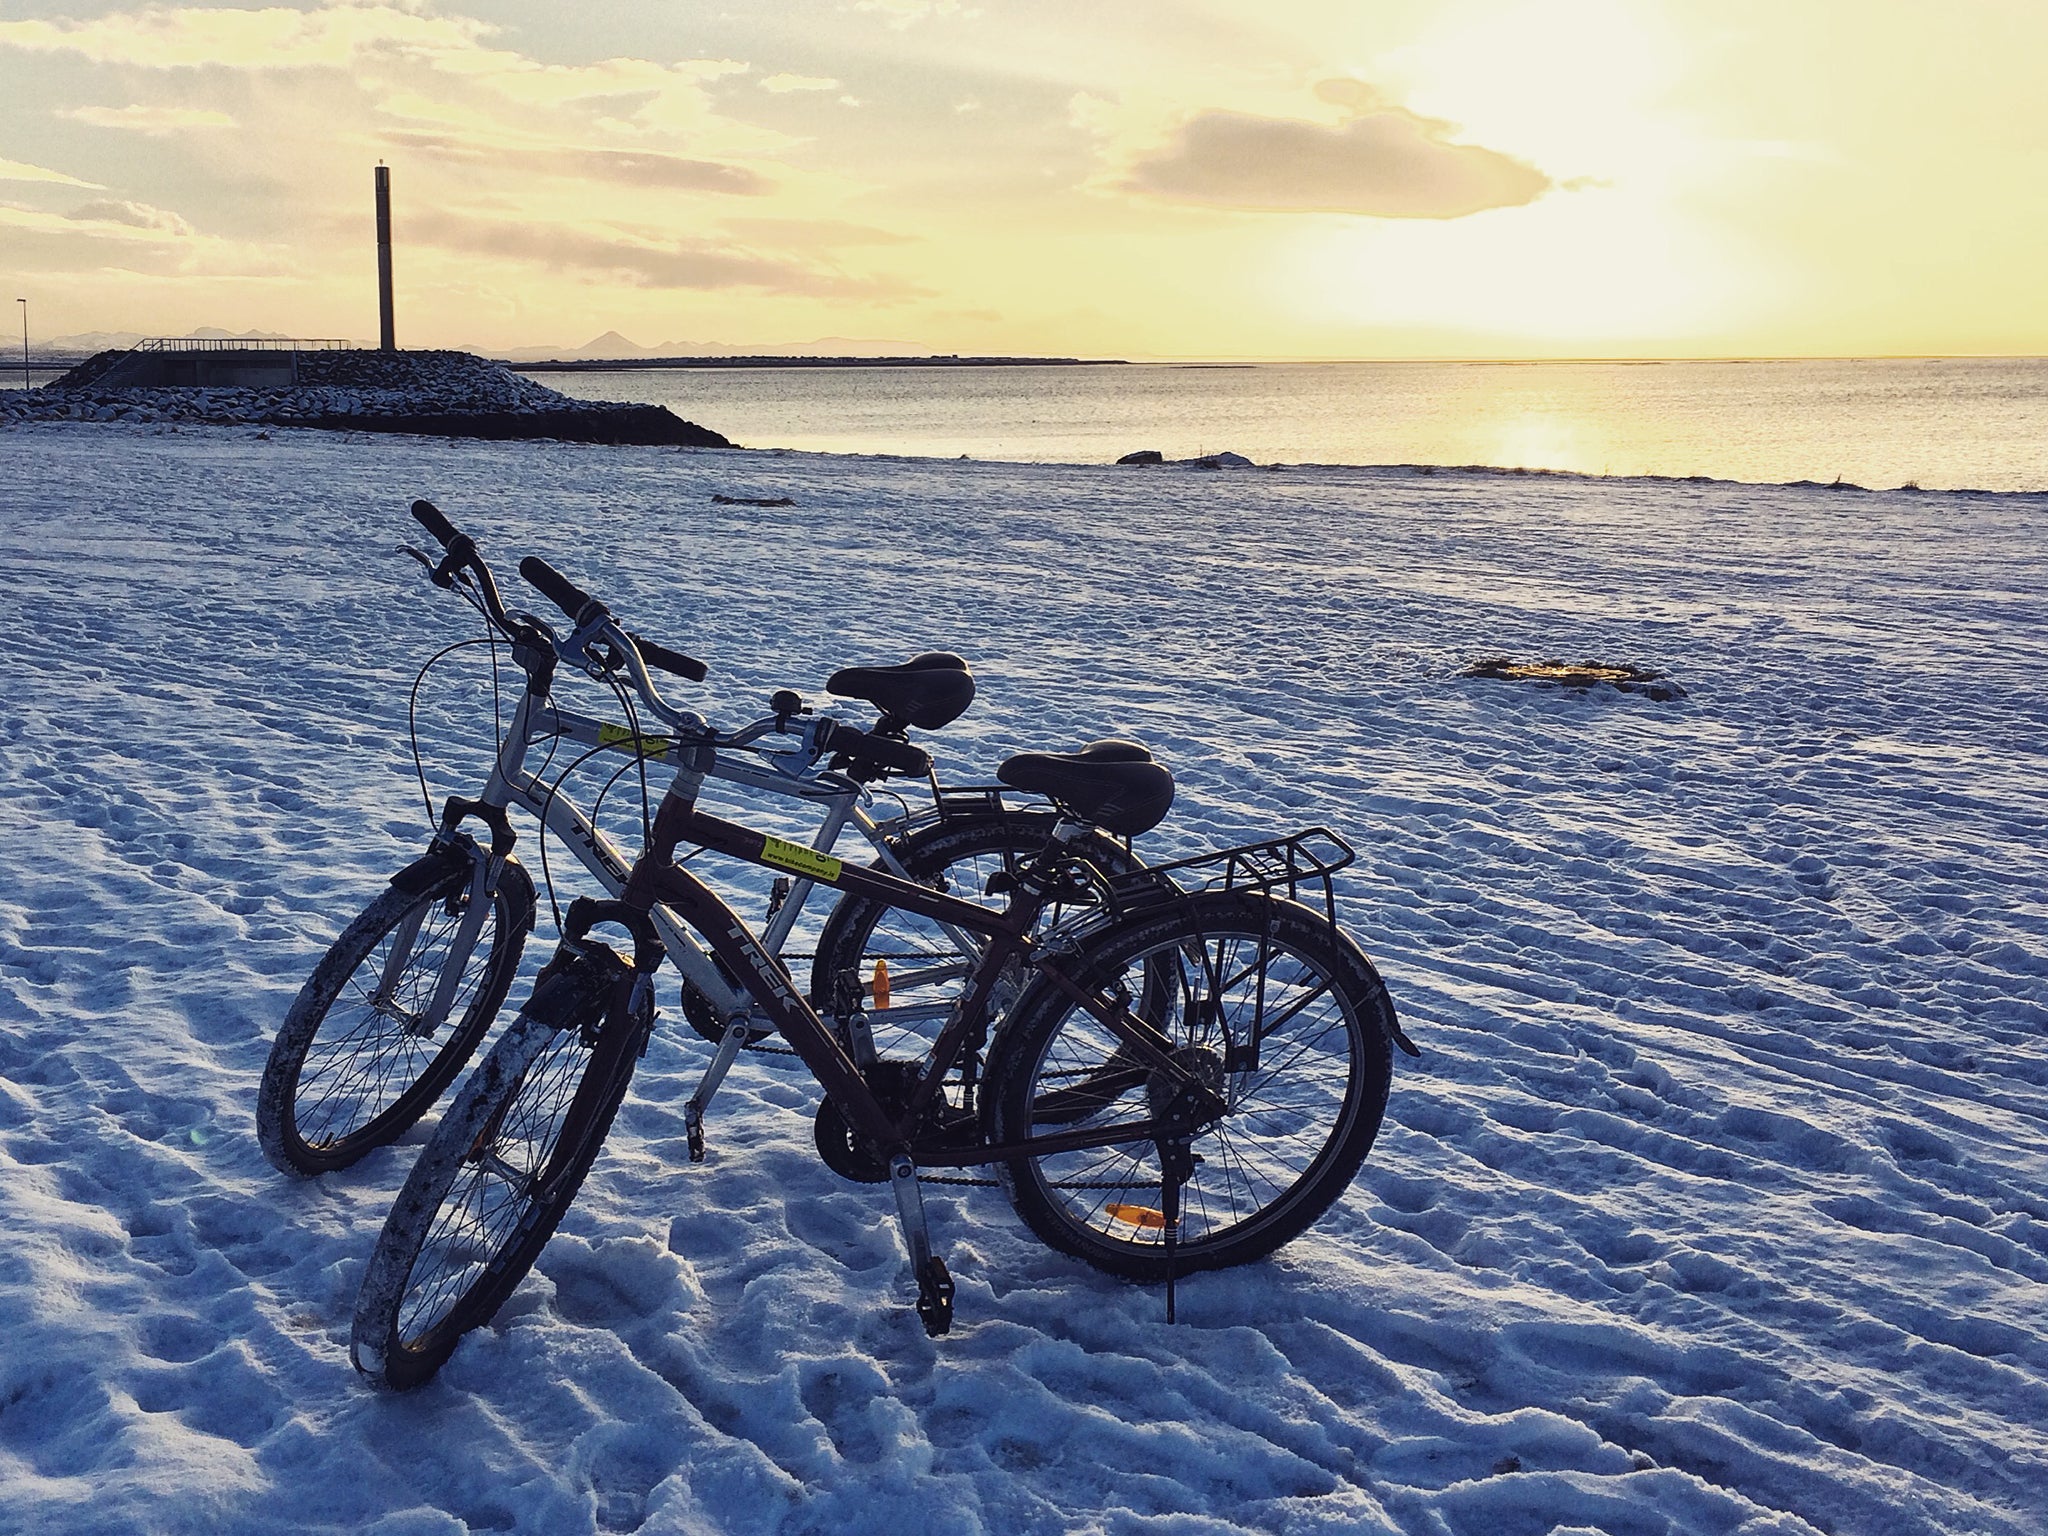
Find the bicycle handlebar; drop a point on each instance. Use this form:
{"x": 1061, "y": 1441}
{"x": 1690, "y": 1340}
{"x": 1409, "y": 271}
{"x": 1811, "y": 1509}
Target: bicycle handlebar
{"x": 596, "y": 627}
{"x": 430, "y": 517}
{"x": 851, "y": 744}
{"x": 462, "y": 555}
{"x": 558, "y": 589}
{"x": 656, "y": 655}
{"x": 583, "y": 609}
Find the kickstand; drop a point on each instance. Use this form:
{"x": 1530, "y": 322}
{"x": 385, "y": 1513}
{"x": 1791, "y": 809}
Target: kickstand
{"x": 729, "y": 1044}
{"x": 1175, "y": 1165}
{"x": 934, "y": 1281}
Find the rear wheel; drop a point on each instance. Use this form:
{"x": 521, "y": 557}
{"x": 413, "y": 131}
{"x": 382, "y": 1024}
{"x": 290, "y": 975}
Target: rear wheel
{"x": 927, "y": 965}
{"x": 497, "y": 1177}
{"x": 353, "y": 1066}
{"x": 1265, "y": 1003}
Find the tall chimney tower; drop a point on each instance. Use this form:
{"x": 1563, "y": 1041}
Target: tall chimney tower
{"x": 387, "y": 336}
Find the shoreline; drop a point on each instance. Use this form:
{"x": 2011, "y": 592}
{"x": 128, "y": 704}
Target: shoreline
{"x": 659, "y": 364}
{"x": 1306, "y": 468}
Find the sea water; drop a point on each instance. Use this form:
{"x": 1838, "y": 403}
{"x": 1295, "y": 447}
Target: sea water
{"x": 1940, "y": 423}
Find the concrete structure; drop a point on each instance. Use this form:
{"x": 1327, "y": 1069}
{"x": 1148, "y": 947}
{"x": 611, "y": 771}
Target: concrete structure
{"x": 162, "y": 363}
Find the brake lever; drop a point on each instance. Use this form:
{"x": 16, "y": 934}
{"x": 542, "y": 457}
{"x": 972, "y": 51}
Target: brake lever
{"x": 407, "y": 549}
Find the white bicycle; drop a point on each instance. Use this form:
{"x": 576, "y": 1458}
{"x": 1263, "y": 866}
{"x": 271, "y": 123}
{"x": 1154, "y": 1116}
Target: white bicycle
{"x": 408, "y": 991}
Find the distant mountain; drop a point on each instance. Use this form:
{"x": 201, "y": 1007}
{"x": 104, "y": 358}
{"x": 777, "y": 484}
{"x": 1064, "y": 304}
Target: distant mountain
{"x": 612, "y": 345}
{"x": 215, "y": 333}
{"x": 85, "y": 343}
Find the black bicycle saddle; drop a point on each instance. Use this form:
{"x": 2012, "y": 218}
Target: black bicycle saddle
{"x": 1112, "y": 783}
{"x": 926, "y": 691}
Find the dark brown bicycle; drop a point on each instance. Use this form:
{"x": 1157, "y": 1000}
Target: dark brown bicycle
{"x": 1182, "y": 1078}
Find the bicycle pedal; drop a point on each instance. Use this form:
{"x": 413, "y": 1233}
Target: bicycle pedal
{"x": 935, "y": 1297}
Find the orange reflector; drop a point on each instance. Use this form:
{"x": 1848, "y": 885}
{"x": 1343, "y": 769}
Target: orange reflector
{"x": 1138, "y": 1216}
{"x": 878, "y": 990}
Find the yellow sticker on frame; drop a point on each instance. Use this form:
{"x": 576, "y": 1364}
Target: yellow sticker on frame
{"x": 626, "y": 740}
{"x": 799, "y": 859}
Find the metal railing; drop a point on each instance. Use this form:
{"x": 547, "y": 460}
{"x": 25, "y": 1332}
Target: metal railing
{"x": 241, "y": 344}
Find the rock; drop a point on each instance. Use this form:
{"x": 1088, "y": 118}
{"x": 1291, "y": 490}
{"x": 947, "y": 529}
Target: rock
{"x": 1219, "y": 461}
{"x": 446, "y": 394}
{"x": 1143, "y": 456}
{"x": 1556, "y": 672}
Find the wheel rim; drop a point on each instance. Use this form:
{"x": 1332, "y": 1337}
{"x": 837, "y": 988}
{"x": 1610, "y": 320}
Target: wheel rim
{"x": 493, "y": 1196}
{"x": 367, "y": 1053}
{"x": 1258, "y": 1019}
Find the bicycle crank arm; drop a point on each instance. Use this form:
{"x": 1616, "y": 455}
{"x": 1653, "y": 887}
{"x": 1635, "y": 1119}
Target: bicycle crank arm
{"x": 934, "y": 1280}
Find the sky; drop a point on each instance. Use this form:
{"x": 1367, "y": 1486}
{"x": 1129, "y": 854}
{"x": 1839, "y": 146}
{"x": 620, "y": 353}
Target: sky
{"x": 1101, "y": 178}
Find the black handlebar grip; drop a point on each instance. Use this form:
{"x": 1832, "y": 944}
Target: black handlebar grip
{"x": 882, "y": 751}
{"x": 430, "y": 518}
{"x": 657, "y": 655}
{"x": 560, "y": 590}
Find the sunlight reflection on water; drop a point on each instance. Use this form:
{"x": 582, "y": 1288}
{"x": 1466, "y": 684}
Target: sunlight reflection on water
{"x": 1939, "y": 423}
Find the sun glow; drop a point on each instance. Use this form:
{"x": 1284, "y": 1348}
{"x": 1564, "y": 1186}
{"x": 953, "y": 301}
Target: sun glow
{"x": 1596, "y": 266}
{"x": 1609, "y": 258}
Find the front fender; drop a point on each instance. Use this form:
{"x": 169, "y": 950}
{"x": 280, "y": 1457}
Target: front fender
{"x": 456, "y": 856}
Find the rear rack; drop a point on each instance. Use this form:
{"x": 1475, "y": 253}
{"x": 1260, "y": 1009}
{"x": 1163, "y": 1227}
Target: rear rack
{"x": 1284, "y": 864}
{"x": 969, "y": 800}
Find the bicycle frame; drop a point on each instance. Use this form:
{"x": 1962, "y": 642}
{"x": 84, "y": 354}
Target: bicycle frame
{"x": 658, "y": 882}
{"x": 536, "y": 719}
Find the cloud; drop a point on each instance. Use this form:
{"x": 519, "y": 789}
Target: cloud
{"x": 395, "y": 55}
{"x": 654, "y": 168}
{"x": 15, "y": 170}
{"x": 782, "y": 85}
{"x": 112, "y": 239}
{"x": 274, "y": 38}
{"x": 818, "y": 233}
{"x": 150, "y": 120}
{"x": 134, "y": 215}
{"x": 1384, "y": 161}
{"x": 647, "y": 262}
{"x": 623, "y": 167}
{"x": 904, "y": 13}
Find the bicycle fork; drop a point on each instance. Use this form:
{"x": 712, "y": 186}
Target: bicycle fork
{"x": 487, "y": 869}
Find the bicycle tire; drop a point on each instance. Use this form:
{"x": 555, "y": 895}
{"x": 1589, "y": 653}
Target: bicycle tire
{"x": 957, "y": 856}
{"x": 490, "y": 1188}
{"x": 345, "y": 1075}
{"x": 1247, "y": 971}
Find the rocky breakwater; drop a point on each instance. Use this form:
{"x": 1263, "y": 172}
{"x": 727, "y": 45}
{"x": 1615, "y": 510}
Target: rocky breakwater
{"x": 442, "y": 394}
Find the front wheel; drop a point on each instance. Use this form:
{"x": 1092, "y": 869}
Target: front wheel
{"x": 355, "y": 1062}
{"x": 498, "y": 1175}
{"x": 1267, "y": 1004}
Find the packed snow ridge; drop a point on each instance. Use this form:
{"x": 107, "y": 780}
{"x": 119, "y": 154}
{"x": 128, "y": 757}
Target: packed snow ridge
{"x": 449, "y": 394}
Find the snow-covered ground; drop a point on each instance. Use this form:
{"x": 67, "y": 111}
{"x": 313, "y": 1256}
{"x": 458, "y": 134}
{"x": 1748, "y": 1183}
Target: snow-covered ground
{"x": 1718, "y": 1204}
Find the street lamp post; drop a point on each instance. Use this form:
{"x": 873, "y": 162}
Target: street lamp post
{"x": 24, "y": 341}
